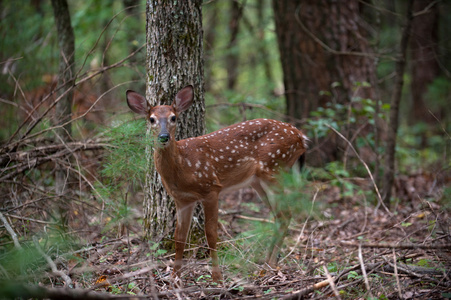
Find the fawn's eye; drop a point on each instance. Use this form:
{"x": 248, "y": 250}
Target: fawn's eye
{"x": 173, "y": 118}
{"x": 152, "y": 120}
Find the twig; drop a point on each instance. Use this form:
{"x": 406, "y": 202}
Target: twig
{"x": 11, "y": 232}
{"x": 398, "y": 285}
{"x": 299, "y": 294}
{"x": 12, "y": 290}
{"x": 31, "y": 220}
{"x": 396, "y": 246}
{"x": 126, "y": 276}
{"x": 414, "y": 271}
{"x": 52, "y": 264}
{"x": 366, "y": 167}
{"x": 27, "y": 163}
{"x": 365, "y": 277}
{"x": 331, "y": 282}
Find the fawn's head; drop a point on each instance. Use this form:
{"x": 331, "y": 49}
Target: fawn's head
{"x": 162, "y": 118}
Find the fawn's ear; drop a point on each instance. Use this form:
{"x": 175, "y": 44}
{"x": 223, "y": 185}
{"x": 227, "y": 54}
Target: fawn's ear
{"x": 183, "y": 99}
{"x": 137, "y": 102}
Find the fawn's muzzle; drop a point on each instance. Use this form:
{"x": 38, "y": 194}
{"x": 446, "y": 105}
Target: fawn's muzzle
{"x": 163, "y": 138}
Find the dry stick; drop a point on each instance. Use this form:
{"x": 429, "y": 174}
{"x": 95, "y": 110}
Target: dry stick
{"x": 126, "y": 276}
{"x": 303, "y": 292}
{"x": 362, "y": 265}
{"x": 396, "y": 246}
{"x": 52, "y": 264}
{"x": 366, "y": 167}
{"x": 48, "y": 149}
{"x": 398, "y": 285}
{"x": 11, "y": 232}
{"x": 14, "y": 291}
{"x": 331, "y": 282}
{"x": 38, "y": 161}
{"x": 31, "y": 220}
{"x": 414, "y": 273}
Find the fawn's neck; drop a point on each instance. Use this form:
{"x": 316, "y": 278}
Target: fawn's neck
{"x": 168, "y": 160}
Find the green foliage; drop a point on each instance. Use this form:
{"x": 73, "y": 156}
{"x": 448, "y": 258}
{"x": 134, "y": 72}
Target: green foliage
{"x": 25, "y": 35}
{"x": 126, "y": 160}
{"x": 155, "y": 249}
{"x": 123, "y": 168}
{"x": 28, "y": 263}
{"x": 341, "y": 116}
{"x": 439, "y": 94}
{"x": 419, "y": 147}
{"x": 293, "y": 194}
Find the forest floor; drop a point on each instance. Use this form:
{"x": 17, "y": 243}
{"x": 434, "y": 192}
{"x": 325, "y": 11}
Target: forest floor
{"x": 348, "y": 250}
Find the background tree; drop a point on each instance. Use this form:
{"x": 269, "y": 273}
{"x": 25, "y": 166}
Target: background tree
{"x": 174, "y": 59}
{"x": 325, "y": 52}
{"x": 66, "y": 81}
{"x": 232, "y": 60}
{"x": 424, "y": 60}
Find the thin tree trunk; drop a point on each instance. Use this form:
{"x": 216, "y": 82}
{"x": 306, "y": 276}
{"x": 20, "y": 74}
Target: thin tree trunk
{"x": 174, "y": 59}
{"x": 236, "y": 11}
{"x": 211, "y": 28}
{"x": 389, "y": 170}
{"x": 262, "y": 54}
{"x": 63, "y": 108}
{"x": 424, "y": 57}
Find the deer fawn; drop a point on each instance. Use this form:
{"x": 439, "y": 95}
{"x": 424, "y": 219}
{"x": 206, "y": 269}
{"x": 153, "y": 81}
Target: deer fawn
{"x": 200, "y": 168}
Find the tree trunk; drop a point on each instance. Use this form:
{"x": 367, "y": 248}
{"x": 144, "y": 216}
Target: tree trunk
{"x": 263, "y": 54}
{"x": 66, "y": 79}
{"x": 424, "y": 57}
{"x": 389, "y": 170}
{"x": 322, "y": 43}
{"x": 174, "y": 59}
{"x": 236, "y": 11}
{"x": 211, "y": 27}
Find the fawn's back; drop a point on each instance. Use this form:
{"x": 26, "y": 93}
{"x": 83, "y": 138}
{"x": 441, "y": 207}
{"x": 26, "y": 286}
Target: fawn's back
{"x": 232, "y": 157}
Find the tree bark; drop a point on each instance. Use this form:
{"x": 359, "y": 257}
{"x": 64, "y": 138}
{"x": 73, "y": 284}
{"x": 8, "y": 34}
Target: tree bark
{"x": 263, "y": 54}
{"x": 211, "y": 28}
{"x": 324, "y": 51}
{"x": 232, "y": 59}
{"x": 66, "y": 79}
{"x": 424, "y": 57}
{"x": 389, "y": 170}
{"x": 174, "y": 60}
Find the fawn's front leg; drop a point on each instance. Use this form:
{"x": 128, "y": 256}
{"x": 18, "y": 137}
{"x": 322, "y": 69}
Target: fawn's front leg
{"x": 184, "y": 216}
{"x": 211, "y": 232}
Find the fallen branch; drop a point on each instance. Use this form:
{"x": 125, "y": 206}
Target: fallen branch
{"x": 299, "y": 294}
{"x": 11, "y": 232}
{"x": 396, "y": 246}
{"x": 10, "y": 290}
{"x": 52, "y": 264}
{"x": 25, "y": 160}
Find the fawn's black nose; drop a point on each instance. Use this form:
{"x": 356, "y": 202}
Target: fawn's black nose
{"x": 164, "y": 138}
